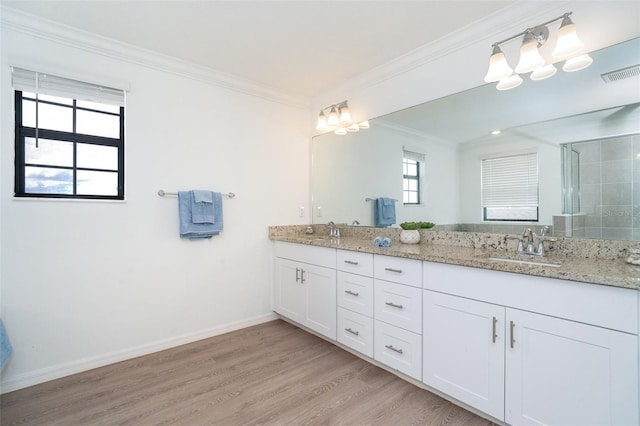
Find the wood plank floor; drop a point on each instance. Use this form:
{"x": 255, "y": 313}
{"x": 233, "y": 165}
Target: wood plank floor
{"x": 269, "y": 374}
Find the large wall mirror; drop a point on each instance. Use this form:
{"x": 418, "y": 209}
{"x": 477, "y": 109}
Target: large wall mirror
{"x": 584, "y": 128}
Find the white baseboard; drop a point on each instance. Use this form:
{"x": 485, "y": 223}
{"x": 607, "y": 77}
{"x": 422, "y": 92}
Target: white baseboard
{"x": 78, "y": 366}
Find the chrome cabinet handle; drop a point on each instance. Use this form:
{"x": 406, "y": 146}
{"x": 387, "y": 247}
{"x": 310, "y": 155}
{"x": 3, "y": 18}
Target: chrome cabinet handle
{"x": 511, "y": 327}
{"x": 393, "y": 305}
{"x": 297, "y": 274}
{"x": 393, "y": 270}
{"x": 350, "y": 262}
{"x": 494, "y": 334}
{"x": 352, "y": 293}
{"x": 302, "y": 271}
{"x": 393, "y": 349}
{"x": 351, "y": 331}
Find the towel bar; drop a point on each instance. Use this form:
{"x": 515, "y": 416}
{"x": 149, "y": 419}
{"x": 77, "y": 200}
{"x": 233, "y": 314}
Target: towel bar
{"x": 373, "y": 199}
{"x": 162, "y": 193}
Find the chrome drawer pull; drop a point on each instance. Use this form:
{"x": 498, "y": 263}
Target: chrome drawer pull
{"x": 302, "y": 276}
{"x": 393, "y": 305}
{"x": 495, "y": 335}
{"x": 352, "y": 293}
{"x": 511, "y": 327}
{"x": 393, "y": 349}
{"x": 297, "y": 274}
{"x": 350, "y": 262}
{"x": 351, "y": 331}
{"x": 393, "y": 270}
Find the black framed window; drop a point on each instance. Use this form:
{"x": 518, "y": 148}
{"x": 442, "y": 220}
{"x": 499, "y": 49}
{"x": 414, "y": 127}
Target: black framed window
{"x": 68, "y": 147}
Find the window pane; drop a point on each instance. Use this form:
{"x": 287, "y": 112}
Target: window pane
{"x": 42, "y": 97}
{"x": 405, "y": 184}
{"x": 97, "y": 183}
{"x": 50, "y": 117}
{"x": 412, "y": 169}
{"x": 97, "y": 124}
{"x": 97, "y": 156}
{"x": 413, "y": 185}
{"x": 413, "y": 197}
{"x": 101, "y": 107}
{"x": 48, "y": 153}
{"x": 42, "y": 180}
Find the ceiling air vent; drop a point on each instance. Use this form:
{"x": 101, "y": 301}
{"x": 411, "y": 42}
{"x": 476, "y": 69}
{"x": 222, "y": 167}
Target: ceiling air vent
{"x": 628, "y": 72}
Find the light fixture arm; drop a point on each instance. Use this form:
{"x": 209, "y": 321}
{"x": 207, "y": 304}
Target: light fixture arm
{"x": 540, "y": 34}
{"x": 338, "y": 105}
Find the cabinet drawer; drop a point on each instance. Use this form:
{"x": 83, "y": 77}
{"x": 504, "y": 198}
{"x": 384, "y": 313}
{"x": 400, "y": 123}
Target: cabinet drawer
{"x": 398, "y": 305}
{"x": 399, "y": 349}
{"x": 355, "y": 292}
{"x": 355, "y": 262}
{"x": 404, "y": 271}
{"x": 355, "y": 331}
{"x": 321, "y": 256}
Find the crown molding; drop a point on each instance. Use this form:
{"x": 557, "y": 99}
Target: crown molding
{"x": 20, "y": 22}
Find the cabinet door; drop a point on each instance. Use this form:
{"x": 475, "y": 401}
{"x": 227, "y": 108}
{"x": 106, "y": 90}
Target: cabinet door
{"x": 356, "y": 331}
{"x": 320, "y": 285}
{"x": 289, "y": 292}
{"x": 560, "y": 372}
{"x": 463, "y": 350}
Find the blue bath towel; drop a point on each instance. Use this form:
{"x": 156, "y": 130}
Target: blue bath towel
{"x": 202, "y": 207}
{"x": 194, "y": 231}
{"x": 385, "y": 212}
{"x": 5, "y": 346}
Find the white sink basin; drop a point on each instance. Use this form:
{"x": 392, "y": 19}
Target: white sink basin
{"x": 531, "y": 262}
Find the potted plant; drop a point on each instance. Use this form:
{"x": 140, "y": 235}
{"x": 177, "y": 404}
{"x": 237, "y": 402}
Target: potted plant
{"x": 409, "y": 233}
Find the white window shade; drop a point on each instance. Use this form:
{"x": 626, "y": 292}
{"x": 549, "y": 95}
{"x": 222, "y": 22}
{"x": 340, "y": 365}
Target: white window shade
{"x": 510, "y": 188}
{"x": 415, "y": 156}
{"x": 47, "y": 84}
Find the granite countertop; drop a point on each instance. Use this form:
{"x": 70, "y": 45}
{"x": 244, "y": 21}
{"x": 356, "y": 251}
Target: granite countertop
{"x": 612, "y": 272}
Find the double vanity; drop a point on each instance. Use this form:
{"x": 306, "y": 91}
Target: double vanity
{"x": 519, "y": 339}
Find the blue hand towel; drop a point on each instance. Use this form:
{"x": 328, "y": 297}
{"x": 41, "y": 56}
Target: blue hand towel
{"x": 5, "y": 347}
{"x": 202, "y": 207}
{"x": 377, "y": 242}
{"x": 385, "y": 212}
{"x": 194, "y": 231}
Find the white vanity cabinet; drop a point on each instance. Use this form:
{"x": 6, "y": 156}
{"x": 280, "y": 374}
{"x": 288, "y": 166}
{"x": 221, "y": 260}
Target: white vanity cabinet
{"x": 355, "y": 301}
{"x": 398, "y": 314}
{"x": 530, "y": 350}
{"x": 305, "y": 286}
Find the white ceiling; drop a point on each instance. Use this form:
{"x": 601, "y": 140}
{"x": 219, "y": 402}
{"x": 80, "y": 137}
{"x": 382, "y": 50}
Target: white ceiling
{"x": 300, "y": 47}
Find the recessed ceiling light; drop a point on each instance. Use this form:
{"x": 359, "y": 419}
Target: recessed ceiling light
{"x": 496, "y": 132}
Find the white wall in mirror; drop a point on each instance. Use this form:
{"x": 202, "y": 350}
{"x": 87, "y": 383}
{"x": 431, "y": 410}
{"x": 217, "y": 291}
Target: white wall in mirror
{"x": 368, "y": 164}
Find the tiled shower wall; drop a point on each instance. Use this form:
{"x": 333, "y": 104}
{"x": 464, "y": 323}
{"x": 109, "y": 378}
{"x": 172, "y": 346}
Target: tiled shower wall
{"x": 610, "y": 188}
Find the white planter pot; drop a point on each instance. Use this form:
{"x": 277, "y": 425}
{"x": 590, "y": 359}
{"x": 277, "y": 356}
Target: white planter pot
{"x": 409, "y": 236}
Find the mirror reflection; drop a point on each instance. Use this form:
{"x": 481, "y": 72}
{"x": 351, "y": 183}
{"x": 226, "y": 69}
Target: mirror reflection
{"x": 562, "y": 152}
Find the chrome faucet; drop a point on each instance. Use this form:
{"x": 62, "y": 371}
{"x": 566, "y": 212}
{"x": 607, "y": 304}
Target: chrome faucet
{"x": 526, "y": 243}
{"x": 334, "y": 230}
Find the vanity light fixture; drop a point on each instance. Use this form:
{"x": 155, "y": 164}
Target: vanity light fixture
{"x": 568, "y": 45}
{"x": 339, "y": 118}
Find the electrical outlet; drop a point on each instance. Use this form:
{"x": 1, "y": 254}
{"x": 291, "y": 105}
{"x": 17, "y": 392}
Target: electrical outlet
{"x": 301, "y": 212}
{"x": 319, "y": 211}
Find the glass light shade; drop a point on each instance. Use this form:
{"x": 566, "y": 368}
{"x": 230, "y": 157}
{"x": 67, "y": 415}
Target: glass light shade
{"x": 543, "y": 72}
{"x": 510, "y": 82}
{"x": 333, "y": 117}
{"x": 498, "y": 66}
{"x": 568, "y": 42}
{"x": 341, "y": 131}
{"x": 353, "y": 128}
{"x": 345, "y": 115}
{"x": 530, "y": 58}
{"x": 364, "y": 124}
{"x": 578, "y": 63}
{"x": 322, "y": 122}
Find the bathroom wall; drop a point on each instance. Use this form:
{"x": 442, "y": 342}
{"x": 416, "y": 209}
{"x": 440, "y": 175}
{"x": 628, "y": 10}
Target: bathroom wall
{"x": 87, "y": 283}
{"x": 368, "y": 164}
{"x": 609, "y": 173}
